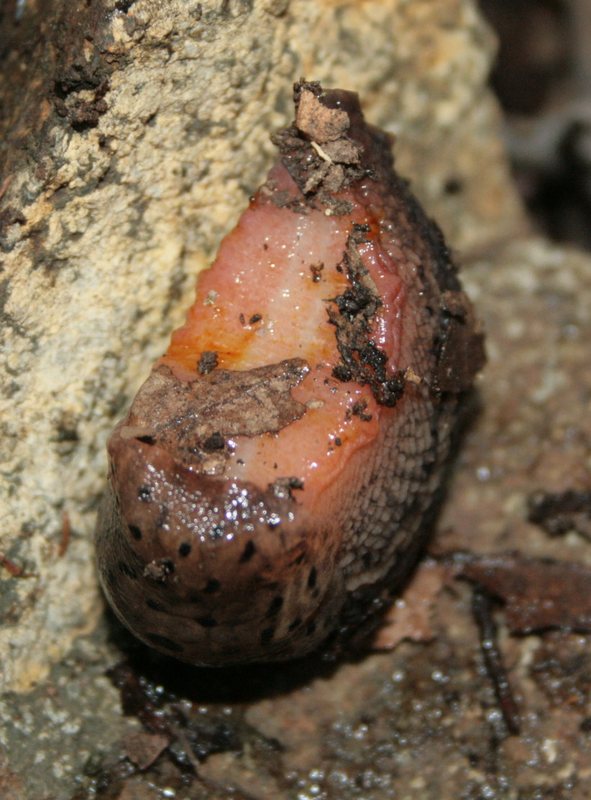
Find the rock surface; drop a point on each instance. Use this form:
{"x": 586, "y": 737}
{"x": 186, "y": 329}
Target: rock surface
{"x": 141, "y": 139}
{"x": 136, "y": 149}
{"x": 421, "y": 721}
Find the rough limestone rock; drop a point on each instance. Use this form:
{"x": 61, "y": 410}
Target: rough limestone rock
{"x": 132, "y": 134}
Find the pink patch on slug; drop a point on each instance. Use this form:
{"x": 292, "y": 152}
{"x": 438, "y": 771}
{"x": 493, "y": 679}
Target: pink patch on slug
{"x": 258, "y": 304}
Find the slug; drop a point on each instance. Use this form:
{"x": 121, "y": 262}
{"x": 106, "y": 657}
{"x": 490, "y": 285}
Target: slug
{"x": 270, "y": 483}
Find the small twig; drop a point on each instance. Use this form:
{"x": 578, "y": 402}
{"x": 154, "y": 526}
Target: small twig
{"x": 4, "y": 185}
{"x": 14, "y": 569}
{"x": 324, "y": 156}
{"x": 482, "y": 605}
{"x": 209, "y": 783}
{"x": 182, "y": 739}
{"x": 66, "y": 534}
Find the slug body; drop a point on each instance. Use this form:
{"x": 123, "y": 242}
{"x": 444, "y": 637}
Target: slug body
{"x": 269, "y": 485}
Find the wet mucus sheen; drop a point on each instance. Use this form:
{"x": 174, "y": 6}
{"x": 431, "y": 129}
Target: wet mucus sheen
{"x": 259, "y": 511}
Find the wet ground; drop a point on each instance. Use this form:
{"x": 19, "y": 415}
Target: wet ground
{"x": 437, "y": 718}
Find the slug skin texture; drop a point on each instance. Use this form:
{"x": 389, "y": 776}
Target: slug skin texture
{"x": 269, "y": 486}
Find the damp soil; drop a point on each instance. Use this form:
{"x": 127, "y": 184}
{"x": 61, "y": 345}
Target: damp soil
{"x": 490, "y": 701}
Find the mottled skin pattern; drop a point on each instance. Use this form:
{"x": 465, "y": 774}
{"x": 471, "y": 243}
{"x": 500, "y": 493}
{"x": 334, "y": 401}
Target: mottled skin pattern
{"x": 218, "y": 571}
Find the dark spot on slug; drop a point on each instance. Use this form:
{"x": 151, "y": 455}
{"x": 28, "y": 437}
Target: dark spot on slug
{"x": 135, "y": 532}
{"x": 212, "y": 586}
{"x": 146, "y": 439}
{"x": 338, "y": 441}
{"x": 164, "y": 642}
{"x": 248, "y": 552}
{"x": 275, "y": 606}
{"x": 295, "y": 624}
{"x": 242, "y": 319}
{"x": 125, "y": 569}
{"x": 255, "y": 318}
{"x": 367, "y": 559}
{"x": 154, "y": 605}
{"x": 207, "y": 621}
{"x": 144, "y": 494}
{"x": 266, "y": 635}
{"x": 310, "y": 628}
{"x": 312, "y": 577}
{"x": 184, "y": 549}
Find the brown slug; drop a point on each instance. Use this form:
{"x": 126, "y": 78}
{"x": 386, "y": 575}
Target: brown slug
{"x": 269, "y": 486}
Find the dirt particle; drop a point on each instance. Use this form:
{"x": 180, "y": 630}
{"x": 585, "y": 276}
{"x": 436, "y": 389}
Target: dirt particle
{"x": 208, "y": 360}
{"x": 342, "y": 373}
{"x": 361, "y": 359}
{"x": 316, "y": 121}
{"x": 453, "y": 186}
{"x": 214, "y": 442}
{"x": 282, "y": 488}
{"x": 144, "y": 494}
{"x": 560, "y": 512}
{"x": 358, "y": 409}
{"x": 159, "y": 569}
{"x": 316, "y": 271}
